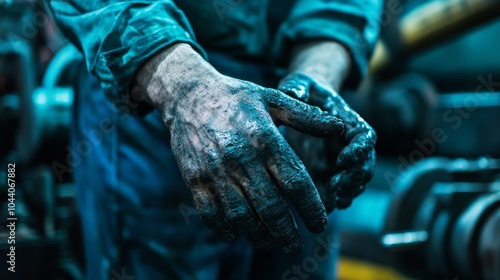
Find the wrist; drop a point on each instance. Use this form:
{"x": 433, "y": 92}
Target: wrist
{"x": 171, "y": 74}
{"x": 326, "y": 62}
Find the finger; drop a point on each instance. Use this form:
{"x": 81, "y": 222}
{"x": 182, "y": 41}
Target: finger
{"x": 293, "y": 178}
{"x": 296, "y": 86}
{"x": 329, "y": 203}
{"x": 200, "y": 184}
{"x": 358, "y": 150}
{"x": 305, "y": 89}
{"x": 345, "y": 201}
{"x": 302, "y": 117}
{"x": 206, "y": 204}
{"x": 241, "y": 216}
{"x": 350, "y": 183}
{"x": 273, "y": 210}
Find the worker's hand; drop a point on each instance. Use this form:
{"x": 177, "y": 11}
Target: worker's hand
{"x": 234, "y": 161}
{"x": 341, "y": 167}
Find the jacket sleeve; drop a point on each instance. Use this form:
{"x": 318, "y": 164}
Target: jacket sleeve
{"x": 117, "y": 37}
{"x": 353, "y": 23}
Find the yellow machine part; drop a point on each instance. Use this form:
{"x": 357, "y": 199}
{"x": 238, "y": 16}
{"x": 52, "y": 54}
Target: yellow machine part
{"x": 434, "y": 22}
{"x": 353, "y": 269}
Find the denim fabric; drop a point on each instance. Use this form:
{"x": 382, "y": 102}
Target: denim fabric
{"x": 137, "y": 214}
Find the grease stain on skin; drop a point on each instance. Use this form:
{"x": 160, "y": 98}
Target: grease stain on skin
{"x": 349, "y": 161}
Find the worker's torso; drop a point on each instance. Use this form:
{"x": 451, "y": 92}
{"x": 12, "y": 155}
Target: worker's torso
{"x": 240, "y": 28}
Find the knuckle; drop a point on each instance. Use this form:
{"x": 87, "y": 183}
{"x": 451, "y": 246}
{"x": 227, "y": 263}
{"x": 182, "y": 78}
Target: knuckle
{"x": 273, "y": 210}
{"x": 190, "y": 179}
{"x": 360, "y": 128}
{"x": 207, "y": 215}
{"x": 233, "y": 166}
{"x": 264, "y": 138}
{"x": 342, "y": 202}
{"x": 297, "y": 181}
{"x": 265, "y": 132}
{"x": 233, "y": 152}
{"x": 358, "y": 190}
{"x": 198, "y": 177}
{"x": 239, "y": 215}
{"x": 273, "y": 146}
{"x": 367, "y": 170}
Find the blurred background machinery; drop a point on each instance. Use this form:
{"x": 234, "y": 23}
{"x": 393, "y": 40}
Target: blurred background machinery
{"x": 432, "y": 210}
{"x": 35, "y": 113}
{"x": 444, "y": 216}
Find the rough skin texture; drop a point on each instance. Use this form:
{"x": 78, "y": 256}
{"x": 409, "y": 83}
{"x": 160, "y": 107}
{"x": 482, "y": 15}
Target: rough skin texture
{"x": 238, "y": 167}
{"x": 340, "y": 166}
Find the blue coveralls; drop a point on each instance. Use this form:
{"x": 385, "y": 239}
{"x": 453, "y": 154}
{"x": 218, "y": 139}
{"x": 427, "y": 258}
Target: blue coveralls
{"x": 135, "y": 208}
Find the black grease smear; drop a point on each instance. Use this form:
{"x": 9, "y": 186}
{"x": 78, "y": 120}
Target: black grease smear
{"x": 341, "y": 166}
{"x": 304, "y": 118}
{"x": 228, "y": 167}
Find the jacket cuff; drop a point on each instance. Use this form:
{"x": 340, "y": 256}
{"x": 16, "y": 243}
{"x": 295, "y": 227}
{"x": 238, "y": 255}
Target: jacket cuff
{"x": 346, "y": 32}
{"x": 116, "y": 68}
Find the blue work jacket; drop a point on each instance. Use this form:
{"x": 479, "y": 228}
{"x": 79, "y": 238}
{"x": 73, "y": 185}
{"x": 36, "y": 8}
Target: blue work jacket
{"x": 117, "y": 36}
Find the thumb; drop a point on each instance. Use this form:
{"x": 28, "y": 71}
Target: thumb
{"x": 301, "y": 116}
{"x": 296, "y": 86}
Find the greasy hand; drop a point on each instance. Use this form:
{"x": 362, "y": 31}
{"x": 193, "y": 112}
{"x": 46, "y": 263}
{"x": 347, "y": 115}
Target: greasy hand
{"x": 341, "y": 167}
{"x": 232, "y": 157}
{"x": 235, "y": 161}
